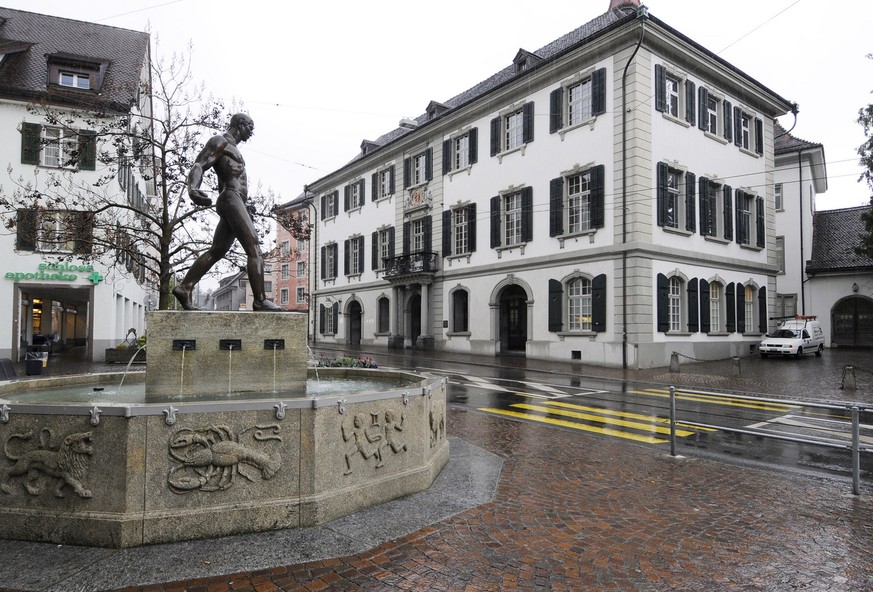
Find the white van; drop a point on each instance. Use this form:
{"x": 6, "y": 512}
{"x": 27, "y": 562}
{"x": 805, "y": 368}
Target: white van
{"x": 795, "y": 337}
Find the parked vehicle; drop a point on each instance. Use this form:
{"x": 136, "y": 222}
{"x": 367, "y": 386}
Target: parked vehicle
{"x": 795, "y": 336}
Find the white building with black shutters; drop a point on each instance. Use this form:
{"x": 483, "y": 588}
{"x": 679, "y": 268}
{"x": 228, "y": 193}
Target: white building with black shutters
{"x": 606, "y": 198}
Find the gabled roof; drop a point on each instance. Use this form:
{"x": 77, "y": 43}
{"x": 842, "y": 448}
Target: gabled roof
{"x": 785, "y": 143}
{"x": 33, "y": 39}
{"x": 835, "y": 235}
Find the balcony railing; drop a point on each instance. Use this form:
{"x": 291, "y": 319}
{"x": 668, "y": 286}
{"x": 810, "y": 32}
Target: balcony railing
{"x": 411, "y": 264}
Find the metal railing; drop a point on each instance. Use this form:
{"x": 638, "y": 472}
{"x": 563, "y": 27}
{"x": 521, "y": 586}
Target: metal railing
{"x": 853, "y": 409}
{"x": 411, "y": 264}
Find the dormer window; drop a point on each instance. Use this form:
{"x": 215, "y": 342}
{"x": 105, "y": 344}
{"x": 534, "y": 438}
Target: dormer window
{"x": 74, "y": 80}
{"x": 76, "y": 72}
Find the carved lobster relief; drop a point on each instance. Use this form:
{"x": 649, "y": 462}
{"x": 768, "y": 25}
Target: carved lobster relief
{"x": 210, "y": 457}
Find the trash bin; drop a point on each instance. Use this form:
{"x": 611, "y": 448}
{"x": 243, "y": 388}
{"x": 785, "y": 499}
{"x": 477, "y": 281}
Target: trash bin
{"x": 35, "y": 360}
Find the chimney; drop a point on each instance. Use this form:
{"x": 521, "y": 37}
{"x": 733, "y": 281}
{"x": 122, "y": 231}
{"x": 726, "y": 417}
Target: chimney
{"x": 623, "y": 4}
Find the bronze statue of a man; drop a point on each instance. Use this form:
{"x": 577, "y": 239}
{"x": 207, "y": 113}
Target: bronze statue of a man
{"x": 222, "y": 155}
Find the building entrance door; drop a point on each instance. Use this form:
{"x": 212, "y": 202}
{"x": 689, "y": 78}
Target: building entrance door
{"x": 414, "y": 319}
{"x": 852, "y": 322}
{"x": 513, "y": 320}
{"x": 355, "y": 315}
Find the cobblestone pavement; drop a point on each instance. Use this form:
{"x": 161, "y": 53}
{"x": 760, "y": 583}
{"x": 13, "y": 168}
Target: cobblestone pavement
{"x": 575, "y": 511}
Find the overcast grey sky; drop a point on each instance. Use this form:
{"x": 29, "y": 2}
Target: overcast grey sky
{"x": 319, "y": 77}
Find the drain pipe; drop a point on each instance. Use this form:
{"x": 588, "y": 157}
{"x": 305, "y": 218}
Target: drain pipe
{"x": 642, "y": 16}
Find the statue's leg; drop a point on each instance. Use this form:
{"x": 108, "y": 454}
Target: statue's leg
{"x": 221, "y": 243}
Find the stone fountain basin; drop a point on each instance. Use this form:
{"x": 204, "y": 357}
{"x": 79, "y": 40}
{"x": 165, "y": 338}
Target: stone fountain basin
{"x": 122, "y": 475}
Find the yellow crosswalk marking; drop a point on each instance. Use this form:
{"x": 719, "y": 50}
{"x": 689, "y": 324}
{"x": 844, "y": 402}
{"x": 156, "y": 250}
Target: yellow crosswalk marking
{"x": 625, "y": 414}
{"x": 575, "y": 425}
{"x": 727, "y": 401}
{"x": 648, "y": 427}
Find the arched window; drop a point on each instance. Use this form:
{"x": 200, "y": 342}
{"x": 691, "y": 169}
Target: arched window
{"x": 384, "y": 315}
{"x": 579, "y": 304}
{"x": 675, "y": 303}
{"x": 460, "y": 311}
{"x": 715, "y": 305}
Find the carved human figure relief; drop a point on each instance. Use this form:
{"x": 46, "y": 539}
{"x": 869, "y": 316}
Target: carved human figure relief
{"x": 66, "y": 463}
{"x": 208, "y": 459}
{"x": 393, "y": 428}
{"x": 364, "y": 440}
{"x": 437, "y": 418}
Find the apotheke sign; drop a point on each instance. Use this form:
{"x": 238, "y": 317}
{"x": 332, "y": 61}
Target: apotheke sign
{"x": 55, "y": 272}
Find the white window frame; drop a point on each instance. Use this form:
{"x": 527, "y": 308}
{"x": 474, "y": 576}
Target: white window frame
{"x": 283, "y": 296}
{"x": 512, "y": 215}
{"x": 57, "y": 231}
{"x": 579, "y": 304}
{"x": 301, "y": 269}
{"x": 72, "y": 79}
{"x": 329, "y": 211}
{"x": 355, "y": 255}
{"x": 301, "y": 294}
{"x": 384, "y": 244}
{"x": 512, "y": 126}
{"x": 674, "y": 97}
{"x": 577, "y": 202}
{"x": 747, "y": 127}
{"x": 286, "y": 271}
{"x": 716, "y": 291}
{"x": 778, "y": 197}
{"x": 58, "y": 147}
{"x": 419, "y": 169}
{"x": 580, "y": 97}
{"x": 460, "y": 231}
{"x": 716, "y": 210}
{"x": 384, "y": 183}
{"x": 330, "y": 271}
{"x": 779, "y": 250}
{"x": 286, "y": 248}
{"x": 355, "y": 200}
{"x": 674, "y": 302}
{"x": 461, "y": 152}
{"x": 417, "y": 230}
{"x": 750, "y": 294}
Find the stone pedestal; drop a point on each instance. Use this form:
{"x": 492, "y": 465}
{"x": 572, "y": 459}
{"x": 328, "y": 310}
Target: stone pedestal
{"x": 198, "y": 353}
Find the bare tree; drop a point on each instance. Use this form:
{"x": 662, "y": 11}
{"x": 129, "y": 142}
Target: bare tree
{"x": 149, "y": 235}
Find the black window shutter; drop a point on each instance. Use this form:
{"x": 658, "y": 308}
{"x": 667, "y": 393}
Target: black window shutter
{"x": 556, "y": 306}
{"x": 556, "y": 206}
{"x": 660, "y": 88}
{"x": 346, "y": 191}
{"x": 598, "y": 194}
{"x": 759, "y": 136}
{"x": 374, "y": 186}
{"x": 323, "y": 206}
{"x": 374, "y": 250}
{"x": 333, "y": 271}
{"x": 474, "y": 145}
{"x": 705, "y": 208}
{"x": 30, "y": 133}
{"x": 728, "y": 213}
{"x": 556, "y": 110}
{"x": 324, "y": 262}
{"x": 335, "y": 202}
{"x": 321, "y": 318}
{"x": 527, "y": 214}
{"x": 728, "y": 121}
{"x": 428, "y": 164}
{"x": 762, "y": 310}
{"x": 362, "y": 189}
{"x": 25, "y": 230}
{"x": 346, "y": 252}
{"x": 704, "y": 306}
{"x": 703, "y": 114}
{"x": 391, "y": 180}
{"x": 690, "y": 201}
{"x": 447, "y": 157}
{"x": 741, "y": 229}
{"x": 759, "y": 219}
{"x": 447, "y": 233}
{"x": 495, "y": 221}
{"x": 663, "y": 303}
{"x": 741, "y": 308}
{"x": 738, "y": 126}
{"x": 407, "y": 172}
{"x": 361, "y": 254}
{"x": 407, "y": 240}
{"x": 663, "y": 173}
{"x": 471, "y": 226}
{"x": 598, "y": 91}
{"x": 495, "y": 136}
{"x": 598, "y": 303}
{"x": 730, "y": 305}
{"x": 335, "y": 312}
{"x": 87, "y": 150}
{"x": 84, "y": 233}
{"x": 693, "y": 307}
{"x": 428, "y": 234}
{"x": 391, "y": 242}
{"x": 690, "y": 98}
{"x": 527, "y": 123}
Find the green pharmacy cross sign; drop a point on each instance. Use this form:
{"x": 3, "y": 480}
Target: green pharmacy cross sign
{"x": 56, "y": 272}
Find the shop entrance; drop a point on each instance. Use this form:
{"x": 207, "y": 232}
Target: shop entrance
{"x": 52, "y": 319}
